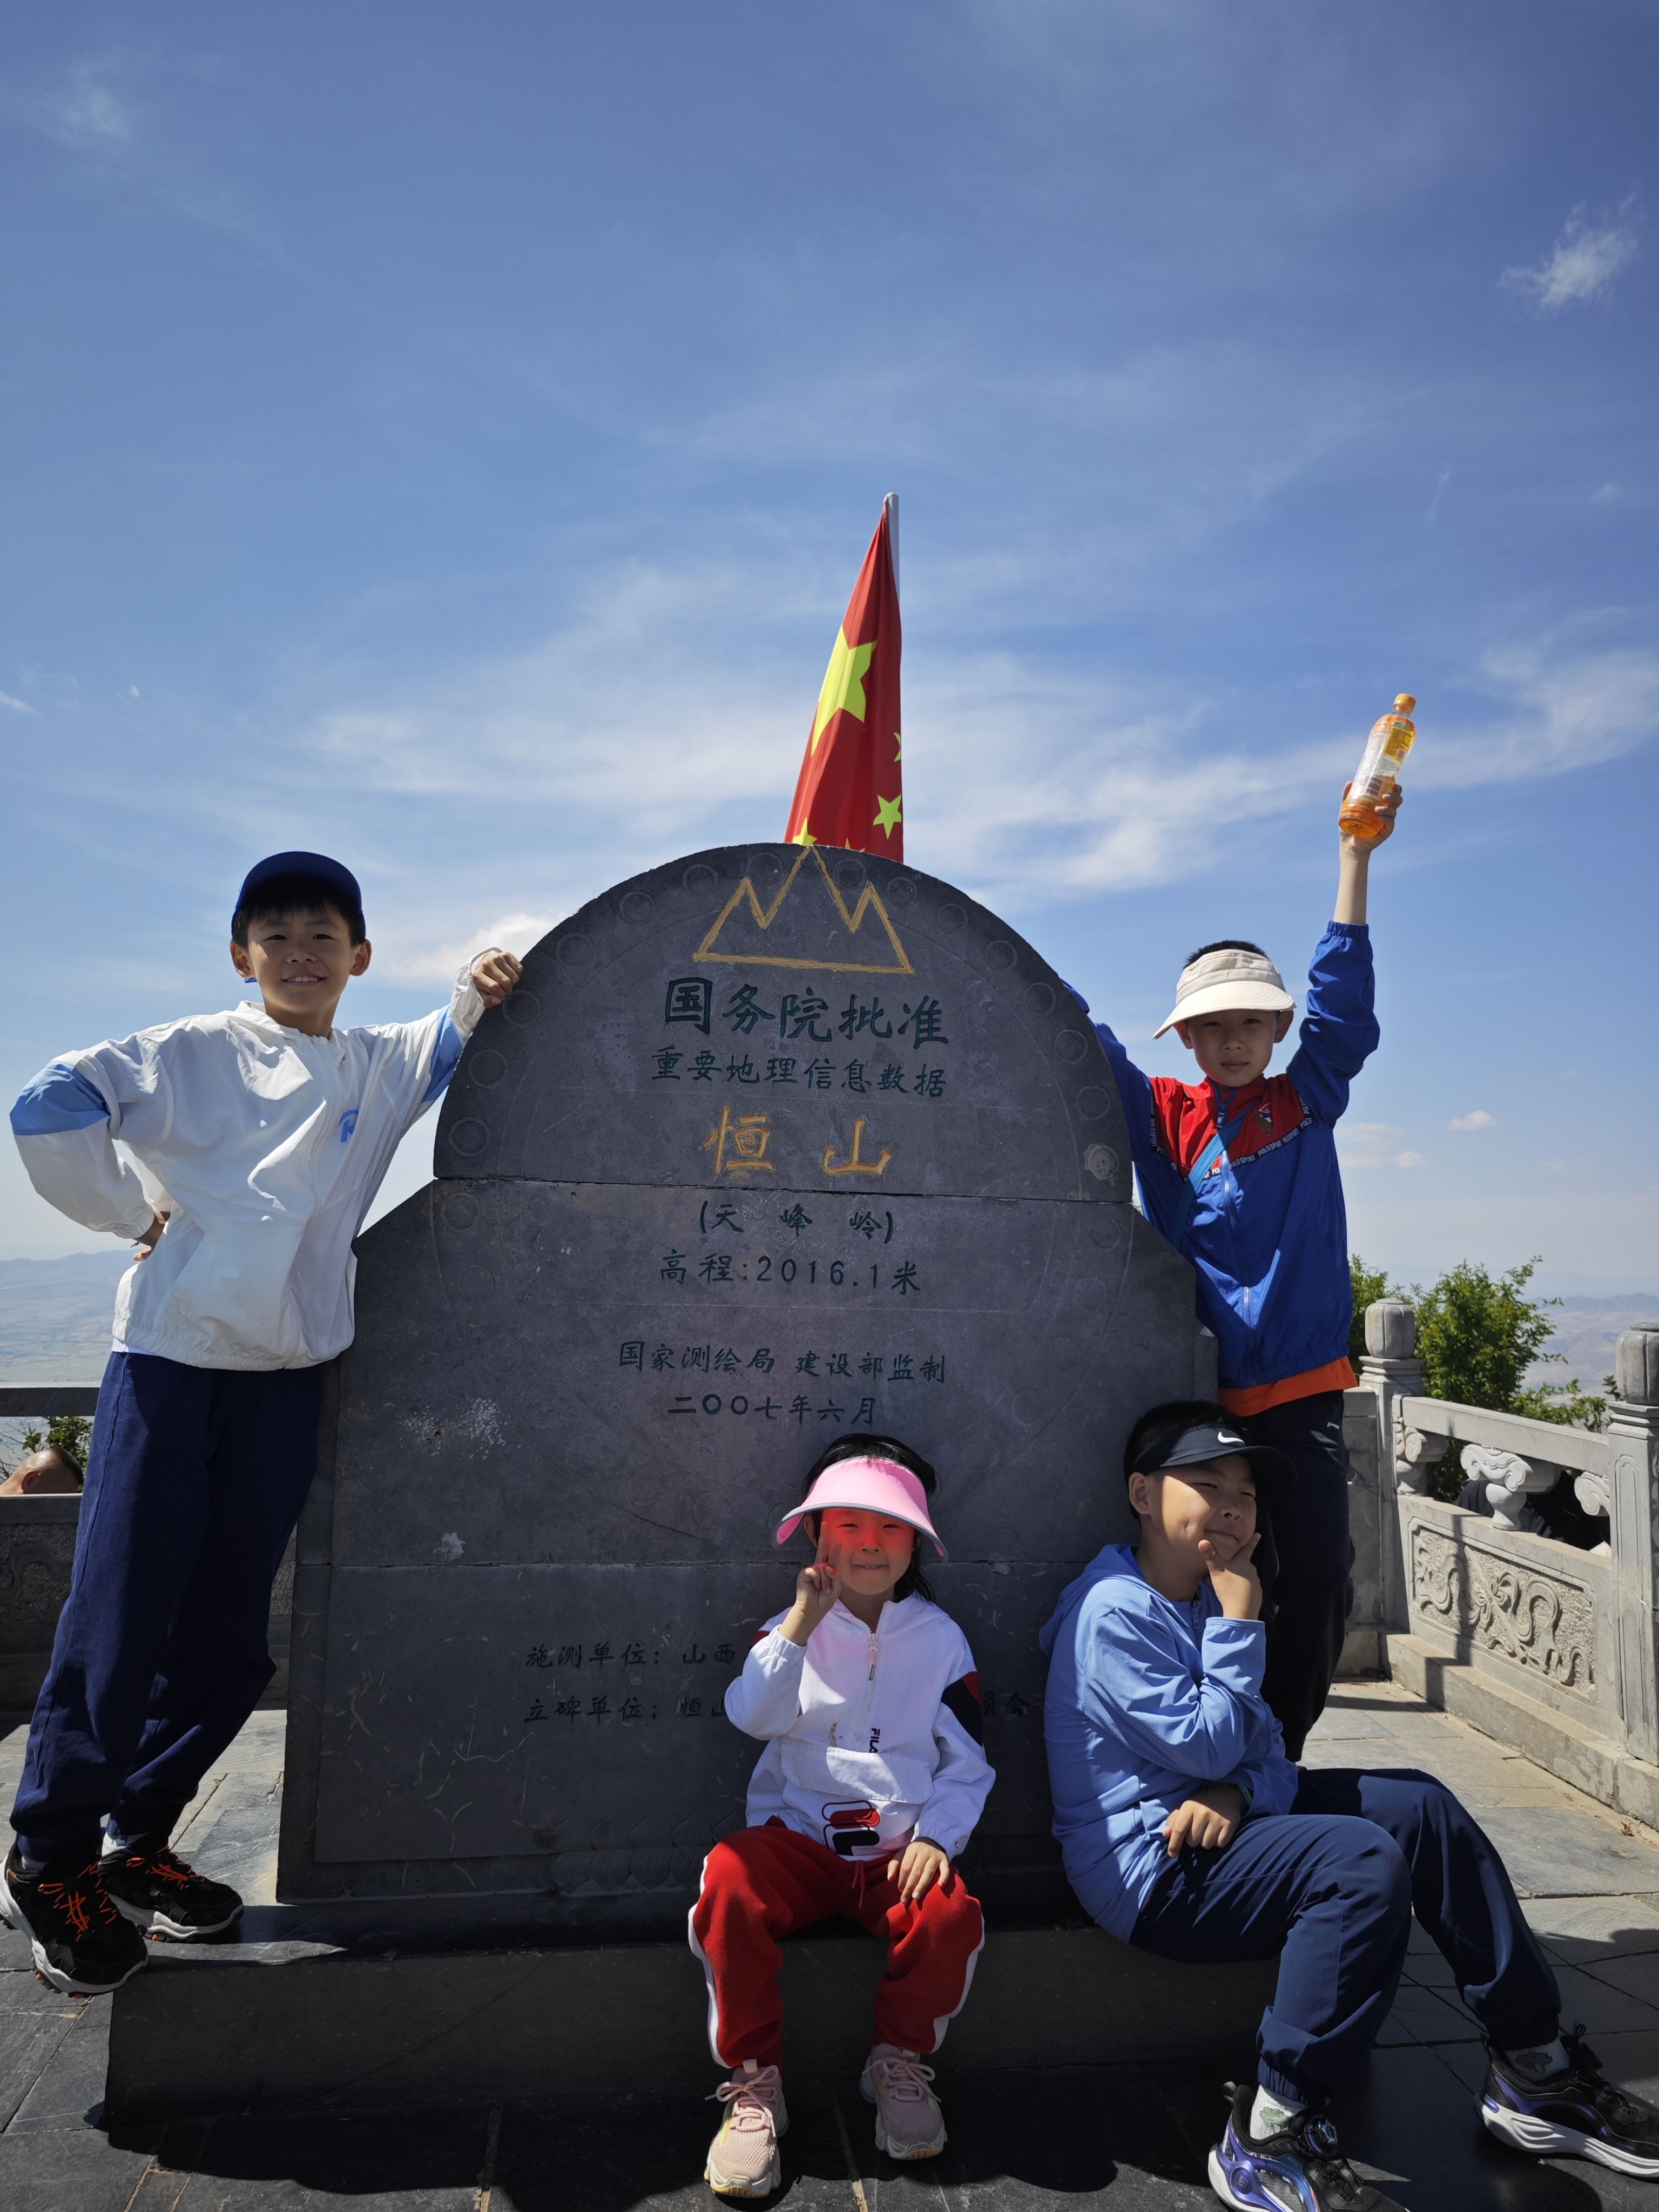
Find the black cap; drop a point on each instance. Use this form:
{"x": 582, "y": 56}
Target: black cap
{"x": 340, "y": 880}
{"x": 1207, "y": 1440}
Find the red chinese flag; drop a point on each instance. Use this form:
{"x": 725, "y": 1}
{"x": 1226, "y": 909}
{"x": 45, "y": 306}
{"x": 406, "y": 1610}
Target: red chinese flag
{"x": 850, "y": 791}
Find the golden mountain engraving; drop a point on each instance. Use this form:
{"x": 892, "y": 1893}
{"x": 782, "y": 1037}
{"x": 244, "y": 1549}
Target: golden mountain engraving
{"x": 721, "y": 941}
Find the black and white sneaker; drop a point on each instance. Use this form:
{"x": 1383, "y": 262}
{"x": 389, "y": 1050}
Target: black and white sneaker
{"x": 81, "y": 1944}
{"x": 151, "y": 1887}
{"x": 1577, "y": 2113}
{"x": 1301, "y": 2166}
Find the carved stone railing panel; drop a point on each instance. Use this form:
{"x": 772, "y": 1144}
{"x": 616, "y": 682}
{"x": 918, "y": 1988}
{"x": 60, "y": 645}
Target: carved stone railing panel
{"x": 36, "y": 1561}
{"x": 1538, "y": 1621}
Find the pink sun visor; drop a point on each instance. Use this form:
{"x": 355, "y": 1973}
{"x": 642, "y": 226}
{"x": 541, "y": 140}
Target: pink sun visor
{"x": 870, "y": 1486}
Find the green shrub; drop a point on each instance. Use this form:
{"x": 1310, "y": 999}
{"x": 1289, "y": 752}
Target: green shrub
{"x": 1476, "y": 1335}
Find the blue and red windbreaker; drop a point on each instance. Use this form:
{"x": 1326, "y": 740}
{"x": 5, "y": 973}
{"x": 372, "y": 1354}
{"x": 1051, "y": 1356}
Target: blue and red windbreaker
{"x": 1268, "y": 1233}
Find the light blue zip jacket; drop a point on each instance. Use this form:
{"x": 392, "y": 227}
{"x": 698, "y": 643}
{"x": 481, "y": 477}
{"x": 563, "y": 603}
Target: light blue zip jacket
{"x": 1148, "y": 1700}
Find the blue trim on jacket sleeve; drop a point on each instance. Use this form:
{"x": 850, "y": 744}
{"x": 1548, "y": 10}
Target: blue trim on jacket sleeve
{"x": 446, "y": 1058}
{"x": 56, "y": 1100}
{"x": 1339, "y": 1032}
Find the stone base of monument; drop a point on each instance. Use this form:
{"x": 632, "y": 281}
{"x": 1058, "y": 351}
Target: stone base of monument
{"x": 340, "y": 2008}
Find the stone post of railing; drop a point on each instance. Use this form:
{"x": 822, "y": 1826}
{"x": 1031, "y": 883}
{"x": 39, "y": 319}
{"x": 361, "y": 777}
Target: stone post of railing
{"x": 1633, "y": 1424}
{"x": 1390, "y": 1369}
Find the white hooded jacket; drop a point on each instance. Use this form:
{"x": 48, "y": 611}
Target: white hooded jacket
{"x": 268, "y": 1145}
{"x": 873, "y": 1736}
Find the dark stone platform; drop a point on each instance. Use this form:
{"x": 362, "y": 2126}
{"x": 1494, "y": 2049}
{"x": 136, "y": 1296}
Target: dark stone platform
{"x": 316, "y": 2015}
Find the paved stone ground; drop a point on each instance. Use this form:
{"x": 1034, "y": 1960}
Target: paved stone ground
{"x": 1088, "y": 2139}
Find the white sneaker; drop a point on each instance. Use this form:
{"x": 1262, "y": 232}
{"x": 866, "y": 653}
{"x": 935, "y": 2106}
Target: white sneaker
{"x": 743, "y": 2159}
{"x": 908, "y": 2121}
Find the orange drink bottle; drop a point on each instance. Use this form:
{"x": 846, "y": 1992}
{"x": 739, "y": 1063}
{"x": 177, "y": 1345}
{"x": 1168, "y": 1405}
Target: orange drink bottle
{"x": 1392, "y": 737}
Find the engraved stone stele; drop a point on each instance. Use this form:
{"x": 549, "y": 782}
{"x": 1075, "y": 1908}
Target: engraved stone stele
{"x": 771, "y": 1144}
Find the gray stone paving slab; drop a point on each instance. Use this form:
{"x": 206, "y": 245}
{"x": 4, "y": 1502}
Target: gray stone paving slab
{"x": 1637, "y": 1976}
{"x": 414, "y": 2162}
{"x": 229, "y": 1831}
{"x": 1413, "y": 2126}
{"x": 616, "y": 2154}
{"x": 1584, "y": 1929}
{"x": 27, "y": 2042}
{"x": 1340, "y": 1723}
{"x": 1425, "y": 2015}
{"x": 69, "y": 2091}
{"x": 1426, "y": 1968}
{"x": 1553, "y": 1851}
{"x": 69, "y": 2170}
{"x": 1599, "y": 2004}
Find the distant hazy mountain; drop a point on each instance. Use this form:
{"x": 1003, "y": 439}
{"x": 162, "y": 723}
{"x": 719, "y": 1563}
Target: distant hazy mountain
{"x": 55, "y": 1322}
{"x": 55, "y": 1316}
{"x": 1586, "y": 1330}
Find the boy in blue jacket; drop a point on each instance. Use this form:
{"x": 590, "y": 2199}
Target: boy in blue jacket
{"x": 1240, "y": 1173}
{"x": 1186, "y": 1830}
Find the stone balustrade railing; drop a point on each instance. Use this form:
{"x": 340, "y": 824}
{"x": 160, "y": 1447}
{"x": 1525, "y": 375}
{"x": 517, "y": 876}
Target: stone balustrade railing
{"x": 1549, "y": 1647}
{"x": 37, "y": 1551}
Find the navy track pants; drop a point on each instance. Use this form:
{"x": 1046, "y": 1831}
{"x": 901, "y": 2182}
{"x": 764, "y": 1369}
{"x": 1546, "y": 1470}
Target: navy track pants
{"x": 1332, "y": 1885}
{"x": 1314, "y": 1594}
{"x": 194, "y": 1483}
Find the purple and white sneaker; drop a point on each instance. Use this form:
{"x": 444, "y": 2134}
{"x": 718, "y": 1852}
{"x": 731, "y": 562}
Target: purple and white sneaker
{"x": 1577, "y": 2113}
{"x": 1301, "y": 2169}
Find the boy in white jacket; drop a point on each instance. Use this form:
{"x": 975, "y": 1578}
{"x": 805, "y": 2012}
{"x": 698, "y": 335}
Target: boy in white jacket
{"x": 873, "y": 1778}
{"x": 261, "y": 1137}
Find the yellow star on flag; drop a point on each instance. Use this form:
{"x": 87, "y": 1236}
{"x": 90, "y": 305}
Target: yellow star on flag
{"x": 843, "y": 683}
{"x": 889, "y": 813}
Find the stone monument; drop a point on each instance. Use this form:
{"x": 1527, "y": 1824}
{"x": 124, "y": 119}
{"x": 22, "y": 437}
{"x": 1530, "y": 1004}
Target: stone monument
{"x": 771, "y": 1144}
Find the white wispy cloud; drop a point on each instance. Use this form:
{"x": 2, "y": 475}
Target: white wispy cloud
{"x": 18, "y": 706}
{"x": 415, "y": 961}
{"x": 1582, "y": 264}
{"x": 84, "y": 112}
{"x": 107, "y": 113}
{"x": 1479, "y": 1120}
{"x": 1559, "y": 708}
{"x": 1374, "y": 1145}
{"x": 659, "y": 717}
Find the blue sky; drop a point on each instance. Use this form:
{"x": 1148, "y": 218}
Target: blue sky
{"x": 447, "y": 437}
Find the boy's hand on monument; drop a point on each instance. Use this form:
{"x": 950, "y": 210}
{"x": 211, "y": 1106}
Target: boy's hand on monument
{"x": 817, "y": 1589}
{"x": 922, "y": 1865}
{"x": 495, "y": 975}
{"x": 1235, "y": 1581}
{"x": 1208, "y": 1820}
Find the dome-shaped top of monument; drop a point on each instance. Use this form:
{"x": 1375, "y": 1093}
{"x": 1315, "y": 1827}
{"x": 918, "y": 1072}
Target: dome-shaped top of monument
{"x": 790, "y": 1015}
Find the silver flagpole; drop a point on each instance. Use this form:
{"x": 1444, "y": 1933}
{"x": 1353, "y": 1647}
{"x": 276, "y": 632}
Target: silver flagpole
{"x": 889, "y": 508}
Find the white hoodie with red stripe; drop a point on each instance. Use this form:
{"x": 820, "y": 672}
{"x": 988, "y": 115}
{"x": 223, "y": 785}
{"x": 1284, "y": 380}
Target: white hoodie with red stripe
{"x": 873, "y": 1736}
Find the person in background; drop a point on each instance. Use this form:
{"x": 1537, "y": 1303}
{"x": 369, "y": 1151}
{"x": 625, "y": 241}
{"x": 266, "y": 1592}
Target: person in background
{"x": 49, "y": 1472}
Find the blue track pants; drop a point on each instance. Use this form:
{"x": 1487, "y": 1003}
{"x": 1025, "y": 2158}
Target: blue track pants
{"x": 1332, "y": 1885}
{"x": 194, "y": 1483}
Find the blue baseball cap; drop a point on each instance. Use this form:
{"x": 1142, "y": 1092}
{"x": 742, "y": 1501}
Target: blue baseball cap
{"x": 340, "y": 880}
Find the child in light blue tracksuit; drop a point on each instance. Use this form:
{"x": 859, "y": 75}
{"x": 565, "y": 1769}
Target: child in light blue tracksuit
{"x": 1186, "y": 1831}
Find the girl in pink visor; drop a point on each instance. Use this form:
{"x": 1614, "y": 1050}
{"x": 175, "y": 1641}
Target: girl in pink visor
{"x": 873, "y": 1778}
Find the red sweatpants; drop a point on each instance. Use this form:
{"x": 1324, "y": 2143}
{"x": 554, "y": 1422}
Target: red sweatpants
{"x": 764, "y": 1883}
